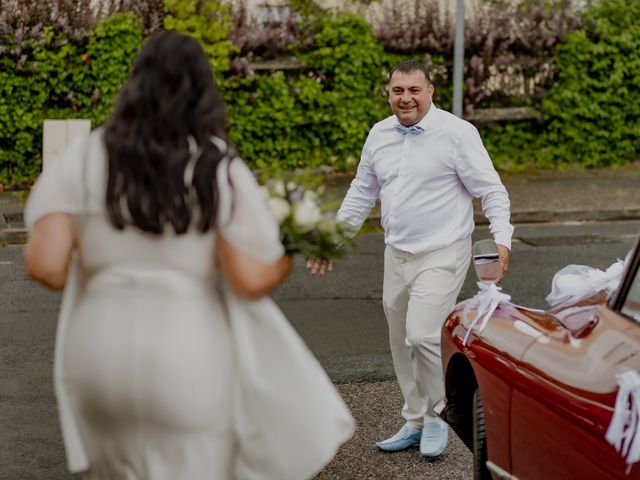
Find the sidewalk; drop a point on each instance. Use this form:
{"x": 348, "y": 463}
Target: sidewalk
{"x": 547, "y": 196}
{"x": 559, "y": 196}
{"x": 562, "y": 196}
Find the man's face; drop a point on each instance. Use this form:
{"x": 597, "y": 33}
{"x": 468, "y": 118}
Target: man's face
{"x": 410, "y": 96}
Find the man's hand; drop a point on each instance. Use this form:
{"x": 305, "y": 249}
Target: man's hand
{"x": 319, "y": 266}
{"x": 504, "y": 259}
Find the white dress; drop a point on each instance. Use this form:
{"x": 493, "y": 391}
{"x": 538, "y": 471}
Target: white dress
{"x": 152, "y": 377}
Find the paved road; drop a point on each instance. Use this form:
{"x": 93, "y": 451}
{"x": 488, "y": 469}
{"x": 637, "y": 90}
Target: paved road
{"x": 339, "y": 316}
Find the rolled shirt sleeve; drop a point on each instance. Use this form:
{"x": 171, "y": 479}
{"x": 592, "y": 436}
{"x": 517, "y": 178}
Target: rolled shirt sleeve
{"x": 361, "y": 196}
{"x": 475, "y": 169}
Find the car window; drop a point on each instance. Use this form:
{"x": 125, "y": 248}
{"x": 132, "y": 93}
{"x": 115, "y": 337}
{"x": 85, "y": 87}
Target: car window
{"x": 631, "y": 305}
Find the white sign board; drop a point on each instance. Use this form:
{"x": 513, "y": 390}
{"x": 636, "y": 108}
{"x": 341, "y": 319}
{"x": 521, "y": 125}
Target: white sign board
{"x": 58, "y": 135}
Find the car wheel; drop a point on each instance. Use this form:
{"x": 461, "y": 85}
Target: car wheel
{"x": 480, "y": 471}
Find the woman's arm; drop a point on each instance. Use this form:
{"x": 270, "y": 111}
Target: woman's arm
{"x": 48, "y": 251}
{"x": 250, "y": 278}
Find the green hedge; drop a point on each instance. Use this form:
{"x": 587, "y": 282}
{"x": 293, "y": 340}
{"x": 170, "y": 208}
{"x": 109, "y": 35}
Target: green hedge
{"x": 207, "y": 21}
{"x": 316, "y": 116}
{"x": 320, "y": 115}
{"x": 591, "y": 117}
{"x": 60, "y": 79}
{"x": 594, "y": 111}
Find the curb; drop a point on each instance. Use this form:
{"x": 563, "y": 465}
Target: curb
{"x": 12, "y": 228}
{"x": 13, "y": 235}
{"x": 569, "y": 216}
{"x": 536, "y": 216}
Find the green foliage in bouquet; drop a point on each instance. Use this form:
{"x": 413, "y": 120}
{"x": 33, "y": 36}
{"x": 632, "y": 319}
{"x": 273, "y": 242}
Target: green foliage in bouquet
{"x": 308, "y": 224}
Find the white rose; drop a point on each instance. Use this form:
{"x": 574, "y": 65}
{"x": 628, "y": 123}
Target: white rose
{"x": 279, "y": 207}
{"x": 278, "y": 188}
{"x": 306, "y": 214}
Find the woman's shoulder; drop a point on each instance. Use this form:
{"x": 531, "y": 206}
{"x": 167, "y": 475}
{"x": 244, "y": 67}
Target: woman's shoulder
{"x": 232, "y": 167}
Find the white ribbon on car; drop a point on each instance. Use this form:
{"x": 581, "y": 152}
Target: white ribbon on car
{"x": 624, "y": 429}
{"x": 485, "y": 302}
{"x": 575, "y": 282}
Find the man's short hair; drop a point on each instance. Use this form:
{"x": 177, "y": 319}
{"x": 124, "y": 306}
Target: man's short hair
{"x": 409, "y": 66}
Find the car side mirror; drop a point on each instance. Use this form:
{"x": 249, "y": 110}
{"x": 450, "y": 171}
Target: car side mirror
{"x": 486, "y": 261}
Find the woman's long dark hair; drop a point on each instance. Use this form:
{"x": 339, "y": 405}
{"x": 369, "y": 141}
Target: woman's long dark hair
{"x": 169, "y": 97}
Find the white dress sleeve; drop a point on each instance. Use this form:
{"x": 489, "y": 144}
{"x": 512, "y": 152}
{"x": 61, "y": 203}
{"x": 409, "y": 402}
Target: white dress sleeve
{"x": 243, "y": 217}
{"x": 59, "y": 188}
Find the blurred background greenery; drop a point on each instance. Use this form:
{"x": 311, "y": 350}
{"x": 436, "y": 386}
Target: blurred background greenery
{"x": 304, "y": 84}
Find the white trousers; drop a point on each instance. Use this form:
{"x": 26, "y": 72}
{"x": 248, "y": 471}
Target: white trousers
{"x": 419, "y": 291}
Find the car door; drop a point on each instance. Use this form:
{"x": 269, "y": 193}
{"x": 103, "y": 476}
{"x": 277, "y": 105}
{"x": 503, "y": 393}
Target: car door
{"x": 565, "y": 393}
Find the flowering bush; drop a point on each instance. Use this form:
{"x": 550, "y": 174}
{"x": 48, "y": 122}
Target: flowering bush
{"x": 307, "y": 222}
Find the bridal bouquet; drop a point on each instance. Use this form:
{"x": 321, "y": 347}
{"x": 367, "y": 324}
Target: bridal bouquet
{"x": 308, "y": 225}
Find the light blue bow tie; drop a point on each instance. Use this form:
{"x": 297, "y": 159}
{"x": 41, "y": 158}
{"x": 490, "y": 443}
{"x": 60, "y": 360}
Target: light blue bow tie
{"x": 413, "y": 129}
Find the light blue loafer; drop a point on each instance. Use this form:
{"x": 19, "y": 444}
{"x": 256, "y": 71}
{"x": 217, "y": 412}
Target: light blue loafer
{"x": 400, "y": 441}
{"x": 434, "y": 439}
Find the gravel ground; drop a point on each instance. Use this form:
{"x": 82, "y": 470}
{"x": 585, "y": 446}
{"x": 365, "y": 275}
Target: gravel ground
{"x": 376, "y": 408}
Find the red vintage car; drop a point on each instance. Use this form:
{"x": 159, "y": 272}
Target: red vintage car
{"x": 532, "y": 394}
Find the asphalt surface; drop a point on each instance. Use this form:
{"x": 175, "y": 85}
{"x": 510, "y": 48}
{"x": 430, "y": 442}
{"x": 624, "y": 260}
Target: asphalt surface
{"x": 571, "y": 200}
{"x": 339, "y": 317}
{"x": 375, "y": 407}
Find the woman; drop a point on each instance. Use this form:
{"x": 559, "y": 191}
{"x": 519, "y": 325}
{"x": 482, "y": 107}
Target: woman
{"x": 132, "y": 222}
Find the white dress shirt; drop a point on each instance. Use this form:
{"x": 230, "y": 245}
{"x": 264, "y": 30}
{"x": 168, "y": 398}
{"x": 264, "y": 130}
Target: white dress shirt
{"x": 426, "y": 183}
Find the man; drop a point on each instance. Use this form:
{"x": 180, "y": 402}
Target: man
{"x": 425, "y": 165}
